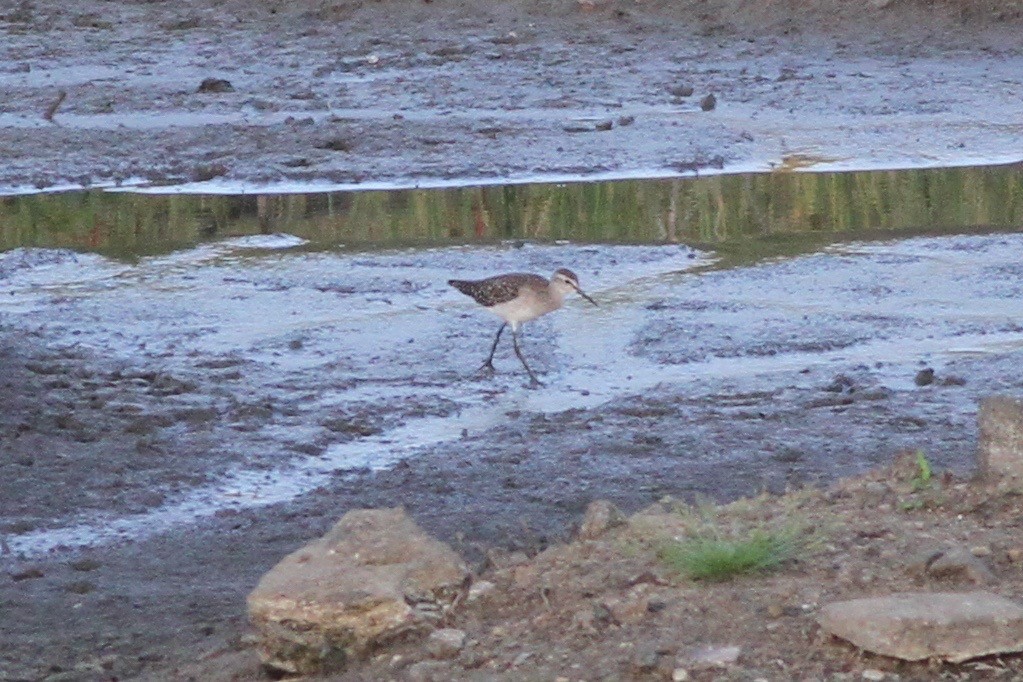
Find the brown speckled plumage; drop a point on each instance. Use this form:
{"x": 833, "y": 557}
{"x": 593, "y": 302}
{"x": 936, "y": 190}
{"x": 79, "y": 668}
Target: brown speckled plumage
{"x": 518, "y": 297}
{"x": 498, "y": 289}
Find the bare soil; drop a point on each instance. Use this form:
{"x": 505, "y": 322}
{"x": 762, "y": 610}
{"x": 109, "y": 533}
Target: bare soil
{"x": 610, "y": 609}
{"x": 406, "y": 91}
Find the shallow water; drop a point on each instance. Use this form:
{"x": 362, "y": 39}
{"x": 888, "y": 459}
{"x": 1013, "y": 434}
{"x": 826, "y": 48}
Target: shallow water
{"x": 748, "y": 215}
{"x": 343, "y": 310}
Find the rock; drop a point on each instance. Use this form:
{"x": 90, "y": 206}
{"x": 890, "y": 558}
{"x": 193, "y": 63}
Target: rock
{"x": 953, "y": 564}
{"x": 681, "y": 90}
{"x": 600, "y": 517}
{"x": 215, "y": 85}
{"x": 1001, "y": 437}
{"x": 924, "y": 377}
{"x": 709, "y": 102}
{"x": 445, "y": 643}
{"x": 479, "y": 590}
{"x": 645, "y": 660}
{"x": 633, "y": 607}
{"x": 950, "y": 626}
{"x": 1015, "y": 555}
{"x": 958, "y": 564}
{"x": 873, "y": 674}
{"x": 680, "y": 675}
{"x": 30, "y": 573}
{"x": 713, "y": 656}
{"x": 522, "y": 658}
{"x": 980, "y": 551}
{"x": 375, "y": 576}
{"x": 428, "y": 671}
{"x": 501, "y": 558}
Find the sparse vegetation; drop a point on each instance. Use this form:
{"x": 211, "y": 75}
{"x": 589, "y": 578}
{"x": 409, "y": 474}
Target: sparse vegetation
{"x": 922, "y": 486}
{"x": 924, "y": 473}
{"x": 717, "y": 557}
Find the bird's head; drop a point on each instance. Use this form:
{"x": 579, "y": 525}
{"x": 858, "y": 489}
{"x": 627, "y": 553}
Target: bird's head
{"x": 565, "y": 281}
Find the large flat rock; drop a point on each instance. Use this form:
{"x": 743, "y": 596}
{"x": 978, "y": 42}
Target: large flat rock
{"x": 949, "y": 626}
{"x": 374, "y": 577}
{"x": 1001, "y": 437}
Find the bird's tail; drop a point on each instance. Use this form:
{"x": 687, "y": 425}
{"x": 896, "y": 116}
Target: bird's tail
{"x": 462, "y": 285}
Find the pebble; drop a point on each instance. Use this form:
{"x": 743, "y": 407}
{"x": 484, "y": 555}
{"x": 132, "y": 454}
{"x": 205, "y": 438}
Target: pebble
{"x": 445, "y": 643}
{"x": 872, "y": 674}
{"x": 215, "y": 85}
{"x": 679, "y": 675}
{"x": 924, "y": 377}
{"x": 522, "y": 658}
{"x": 645, "y": 660}
{"x": 480, "y": 589}
{"x": 1015, "y": 554}
{"x": 980, "y": 550}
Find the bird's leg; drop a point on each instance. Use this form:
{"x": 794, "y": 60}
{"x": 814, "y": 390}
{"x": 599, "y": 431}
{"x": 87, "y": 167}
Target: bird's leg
{"x": 515, "y": 342}
{"x": 488, "y": 366}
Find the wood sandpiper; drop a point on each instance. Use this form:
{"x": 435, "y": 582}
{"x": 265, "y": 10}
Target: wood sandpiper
{"x": 519, "y": 297}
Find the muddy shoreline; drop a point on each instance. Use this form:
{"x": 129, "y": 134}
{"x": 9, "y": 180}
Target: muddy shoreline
{"x": 757, "y": 400}
{"x": 323, "y": 93}
{"x": 129, "y": 386}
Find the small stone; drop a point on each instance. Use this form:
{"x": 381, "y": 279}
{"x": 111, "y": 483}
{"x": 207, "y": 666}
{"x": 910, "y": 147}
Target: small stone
{"x": 479, "y": 590}
{"x": 958, "y": 564}
{"x": 522, "y": 658}
{"x": 502, "y": 558}
{"x": 872, "y": 674}
{"x": 924, "y": 377}
{"x": 645, "y": 660}
{"x": 875, "y": 491}
{"x": 30, "y": 573}
{"x": 600, "y": 517}
{"x": 1015, "y": 555}
{"x": 445, "y": 643}
{"x": 633, "y": 607}
{"x": 626, "y": 120}
{"x": 679, "y": 675}
{"x": 604, "y": 126}
{"x": 681, "y": 90}
{"x": 428, "y": 671}
{"x": 709, "y": 102}
{"x": 84, "y": 565}
{"x": 714, "y": 656}
{"x": 215, "y": 85}
{"x": 980, "y": 551}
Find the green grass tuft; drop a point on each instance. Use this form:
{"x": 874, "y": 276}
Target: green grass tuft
{"x": 924, "y": 473}
{"x": 719, "y": 559}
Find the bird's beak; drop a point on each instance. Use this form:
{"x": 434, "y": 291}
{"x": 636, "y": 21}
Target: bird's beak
{"x": 583, "y": 294}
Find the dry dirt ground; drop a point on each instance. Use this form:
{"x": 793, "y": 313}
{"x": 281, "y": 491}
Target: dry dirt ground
{"x": 610, "y": 609}
{"x": 399, "y": 91}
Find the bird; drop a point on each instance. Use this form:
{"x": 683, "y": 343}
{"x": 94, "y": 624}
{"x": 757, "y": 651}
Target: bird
{"x": 519, "y": 297}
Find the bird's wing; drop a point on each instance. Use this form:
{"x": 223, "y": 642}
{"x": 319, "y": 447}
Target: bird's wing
{"x": 499, "y": 289}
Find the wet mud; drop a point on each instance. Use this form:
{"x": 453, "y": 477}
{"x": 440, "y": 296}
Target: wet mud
{"x": 222, "y": 96}
{"x": 203, "y": 413}
{"x": 175, "y": 424}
